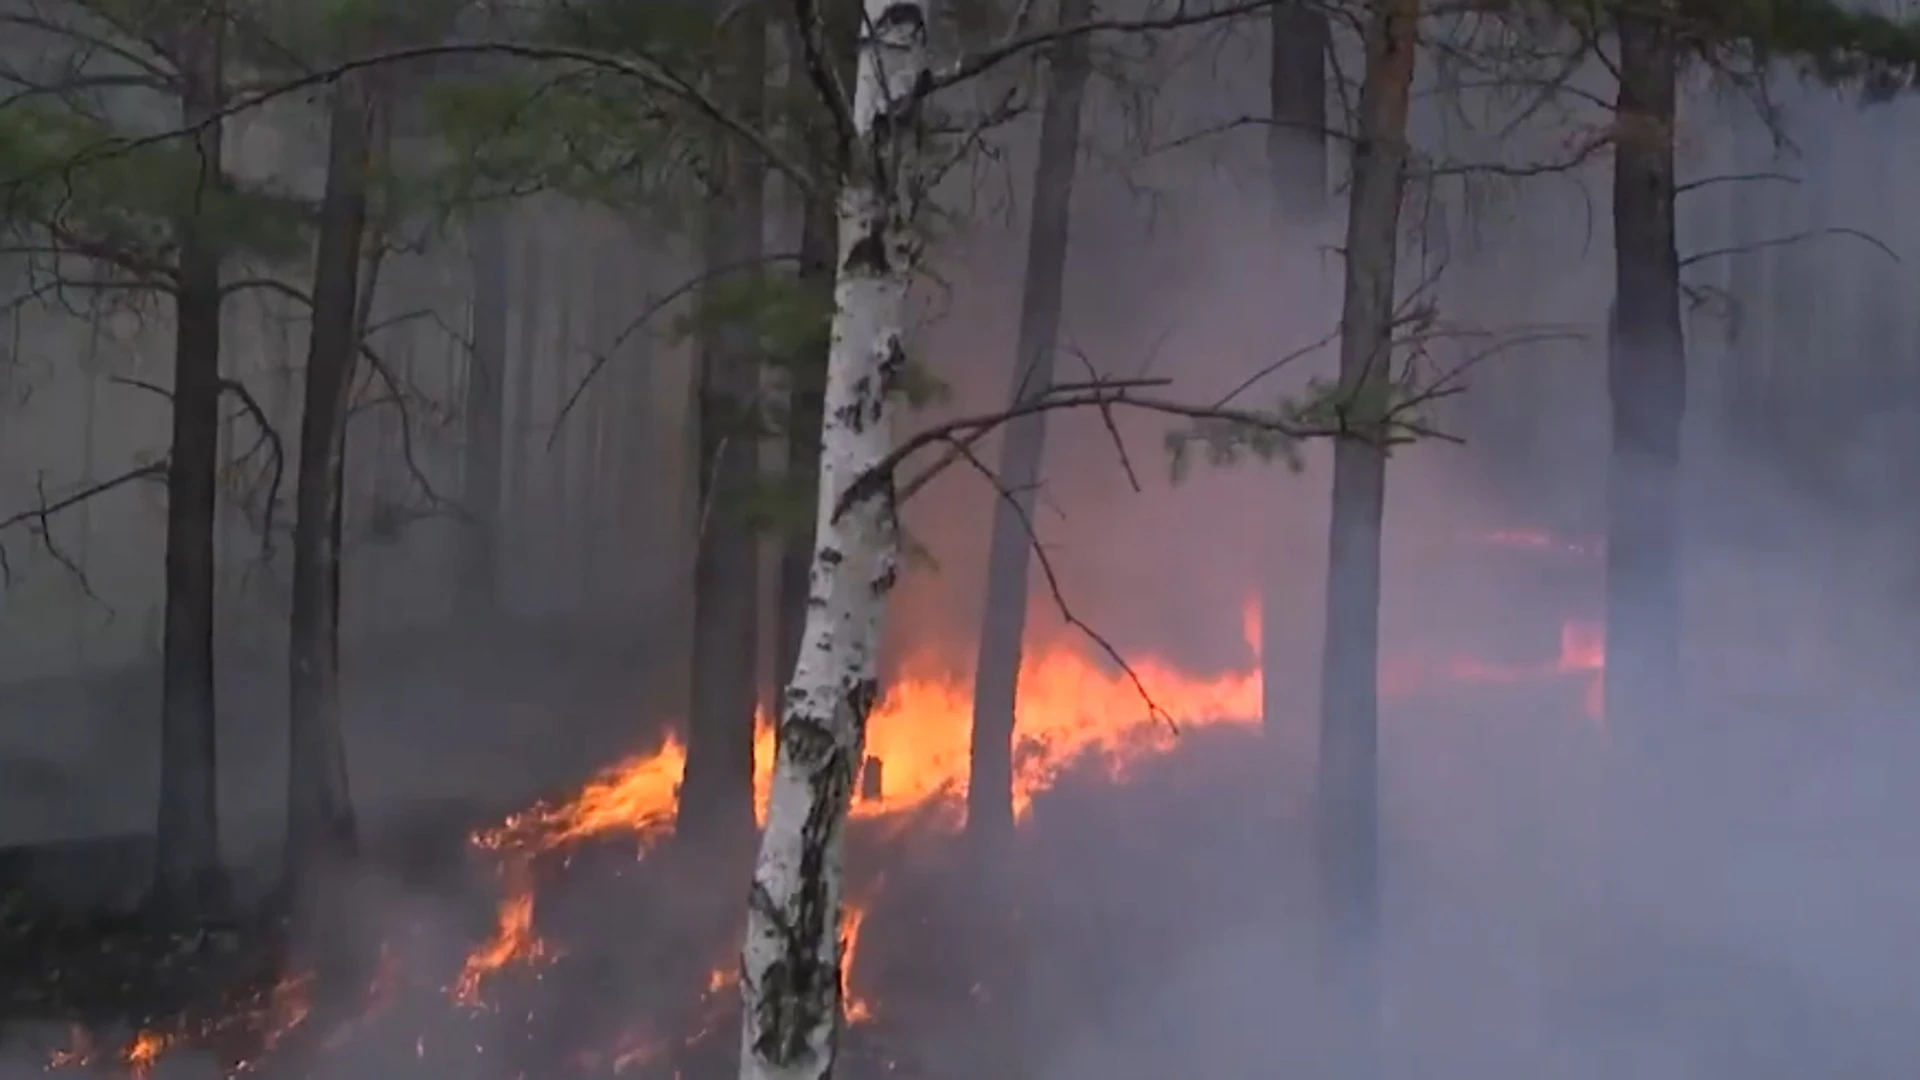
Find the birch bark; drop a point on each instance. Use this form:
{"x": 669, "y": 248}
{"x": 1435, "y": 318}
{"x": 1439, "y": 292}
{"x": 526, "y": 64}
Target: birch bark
{"x": 790, "y": 961}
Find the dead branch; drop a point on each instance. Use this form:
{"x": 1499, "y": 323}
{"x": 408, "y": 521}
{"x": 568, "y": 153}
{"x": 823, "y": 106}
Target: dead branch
{"x": 601, "y": 358}
{"x": 38, "y": 519}
{"x": 269, "y": 440}
{"x": 1154, "y": 711}
{"x": 1395, "y": 427}
{"x": 1734, "y": 178}
{"x": 1017, "y": 43}
{"x": 382, "y": 371}
{"x": 964, "y": 440}
{"x": 1790, "y": 239}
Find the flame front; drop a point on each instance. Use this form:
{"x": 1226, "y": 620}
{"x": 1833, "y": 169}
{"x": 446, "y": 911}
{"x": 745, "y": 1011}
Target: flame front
{"x": 1073, "y": 710}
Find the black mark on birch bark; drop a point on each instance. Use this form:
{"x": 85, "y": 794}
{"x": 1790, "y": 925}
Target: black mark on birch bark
{"x": 800, "y": 993}
{"x": 868, "y": 255}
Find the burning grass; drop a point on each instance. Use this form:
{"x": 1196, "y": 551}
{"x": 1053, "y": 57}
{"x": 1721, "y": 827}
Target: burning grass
{"x": 601, "y": 947}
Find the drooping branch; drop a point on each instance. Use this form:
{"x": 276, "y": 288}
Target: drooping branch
{"x": 1335, "y": 418}
{"x": 39, "y": 519}
{"x": 602, "y": 357}
{"x": 963, "y": 450}
{"x": 269, "y": 440}
{"x": 1787, "y": 241}
{"x": 381, "y": 371}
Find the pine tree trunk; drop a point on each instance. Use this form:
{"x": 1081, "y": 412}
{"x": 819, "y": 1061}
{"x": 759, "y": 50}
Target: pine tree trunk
{"x": 1297, "y": 155}
{"x": 997, "y": 673}
{"x": 1297, "y": 83}
{"x": 522, "y": 502}
{"x": 1348, "y": 816}
{"x": 188, "y": 875}
{"x": 479, "y": 579}
{"x": 790, "y": 962}
{"x": 717, "y": 793}
{"x": 320, "y": 818}
{"x": 1647, "y": 385}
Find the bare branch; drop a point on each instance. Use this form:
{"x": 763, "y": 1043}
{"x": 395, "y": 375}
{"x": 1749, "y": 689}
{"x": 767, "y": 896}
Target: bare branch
{"x": 1790, "y": 239}
{"x": 269, "y": 439}
{"x": 1734, "y": 178}
{"x": 601, "y": 358}
{"x": 1154, "y": 711}
{"x": 1016, "y": 43}
{"x": 37, "y": 519}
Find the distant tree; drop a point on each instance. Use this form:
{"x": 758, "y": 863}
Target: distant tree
{"x": 483, "y": 471}
{"x": 996, "y": 675}
{"x": 320, "y": 820}
{"x": 98, "y": 207}
{"x": 717, "y": 793}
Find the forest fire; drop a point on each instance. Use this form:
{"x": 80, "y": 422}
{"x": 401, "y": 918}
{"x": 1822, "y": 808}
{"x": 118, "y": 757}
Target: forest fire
{"x": 1075, "y": 711}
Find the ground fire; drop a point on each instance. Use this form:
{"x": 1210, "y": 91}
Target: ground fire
{"x": 1075, "y": 711}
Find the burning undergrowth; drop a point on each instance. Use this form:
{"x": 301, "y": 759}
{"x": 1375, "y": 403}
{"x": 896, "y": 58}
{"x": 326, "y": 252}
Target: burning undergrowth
{"x": 580, "y": 936}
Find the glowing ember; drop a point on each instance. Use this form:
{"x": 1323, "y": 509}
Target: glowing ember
{"x": 143, "y": 1052}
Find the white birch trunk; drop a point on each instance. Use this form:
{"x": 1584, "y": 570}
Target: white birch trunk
{"x": 790, "y": 962}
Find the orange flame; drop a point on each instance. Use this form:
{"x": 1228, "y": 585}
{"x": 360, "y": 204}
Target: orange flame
{"x": 857, "y": 1009}
{"x": 514, "y": 939}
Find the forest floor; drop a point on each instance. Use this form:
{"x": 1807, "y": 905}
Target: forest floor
{"x": 1135, "y": 931}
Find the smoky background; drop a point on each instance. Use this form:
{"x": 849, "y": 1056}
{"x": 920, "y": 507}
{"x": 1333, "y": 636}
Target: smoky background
{"x": 1747, "y": 924}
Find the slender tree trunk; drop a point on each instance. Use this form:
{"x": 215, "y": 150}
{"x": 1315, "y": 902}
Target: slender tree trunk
{"x": 1647, "y": 385}
{"x": 717, "y": 792}
{"x": 1348, "y": 793}
{"x": 790, "y": 962}
{"x": 188, "y": 879}
{"x": 1297, "y": 155}
{"x": 997, "y": 673}
{"x": 320, "y": 819}
{"x": 479, "y": 589}
{"x": 530, "y": 353}
{"x": 1297, "y": 142}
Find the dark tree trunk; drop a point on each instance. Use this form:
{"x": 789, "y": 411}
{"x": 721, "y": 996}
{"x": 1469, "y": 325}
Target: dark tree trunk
{"x": 1348, "y": 811}
{"x": 1297, "y": 141}
{"x": 717, "y": 793}
{"x": 1297, "y": 155}
{"x": 530, "y": 303}
{"x": 1647, "y": 386}
{"x": 320, "y": 819}
{"x": 188, "y": 876}
{"x": 1003, "y": 626}
{"x": 479, "y": 587}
